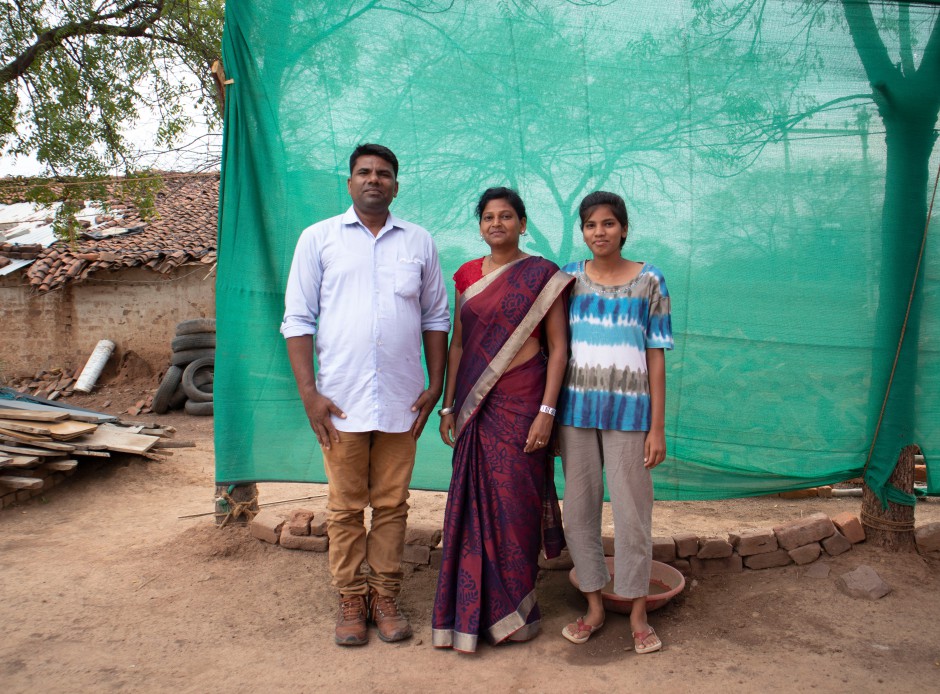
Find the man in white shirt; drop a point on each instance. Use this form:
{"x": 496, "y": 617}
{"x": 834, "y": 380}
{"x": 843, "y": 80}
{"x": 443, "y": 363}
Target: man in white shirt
{"x": 369, "y": 287}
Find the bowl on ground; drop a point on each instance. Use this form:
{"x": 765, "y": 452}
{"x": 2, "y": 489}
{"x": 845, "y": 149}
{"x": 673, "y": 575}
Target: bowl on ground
{"x": 665, "y": 583}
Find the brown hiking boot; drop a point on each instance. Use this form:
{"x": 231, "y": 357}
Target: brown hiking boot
{"x": 392, "y": 624}
{"x": 351, "y": 629}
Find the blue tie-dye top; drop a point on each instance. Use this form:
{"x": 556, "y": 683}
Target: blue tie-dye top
{"x": 607, "y": 384}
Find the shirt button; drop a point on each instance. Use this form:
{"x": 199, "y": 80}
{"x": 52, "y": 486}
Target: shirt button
{"x": 379, "y": 370}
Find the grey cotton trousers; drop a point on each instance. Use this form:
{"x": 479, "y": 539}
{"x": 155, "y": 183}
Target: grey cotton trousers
{"x": 587, "y": 455}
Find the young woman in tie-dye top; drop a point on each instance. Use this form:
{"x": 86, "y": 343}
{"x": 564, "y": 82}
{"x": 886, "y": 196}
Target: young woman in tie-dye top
{"x": 612, "y": 412}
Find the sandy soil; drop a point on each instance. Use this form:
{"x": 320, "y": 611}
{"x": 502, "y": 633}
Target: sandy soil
{"x": 104, "y": 588}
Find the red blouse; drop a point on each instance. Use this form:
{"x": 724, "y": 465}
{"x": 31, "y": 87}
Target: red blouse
{"x": 472, "y": 271}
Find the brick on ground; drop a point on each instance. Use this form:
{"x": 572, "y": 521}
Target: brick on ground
{"x": 426, "y": 535}
{"x": 664, "y": 549}
{"x": 850, "y": 526}
{"x": 714, "y": 548}
{"x": 266, "y": 526}
{"x": 927, "y": 537}
{"x": 416, "y": 554}
{"x": 299, "y": 522}
{"x": 768, "y": 560}
{"x": 863, "y": 582}
{"x": 608, "y": 542}
{"x": 311, "y": 543}
{"x": 806, "y": 554}
{"x": 836, "y": 544}
{"x": 750, "y": 542}
{"x": 686, "y": 545}
{"x": 714, "y": 567}
{"x": 560, "y": 563}
{"x": 804, "y": 531}
{"x": 318, "y": 524}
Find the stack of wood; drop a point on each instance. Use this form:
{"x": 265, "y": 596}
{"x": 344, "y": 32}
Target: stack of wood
{"x": 50, "y": 384}
{"x": 41, "y": 446}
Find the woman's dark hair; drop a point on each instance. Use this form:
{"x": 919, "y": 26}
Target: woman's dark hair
{"x": 612, "y": 200}
{"x": 501, "y": 193}
{"x": 368, "y": 149}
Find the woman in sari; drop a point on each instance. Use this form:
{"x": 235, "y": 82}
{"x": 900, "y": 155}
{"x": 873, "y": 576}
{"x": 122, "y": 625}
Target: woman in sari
{"x": 506, "y": 363}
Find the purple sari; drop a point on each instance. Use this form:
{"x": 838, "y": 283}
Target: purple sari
{"x": 494, "y": 519}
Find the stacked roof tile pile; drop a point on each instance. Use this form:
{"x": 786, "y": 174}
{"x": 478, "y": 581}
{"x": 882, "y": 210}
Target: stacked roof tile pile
{"x": 183, "y": 231}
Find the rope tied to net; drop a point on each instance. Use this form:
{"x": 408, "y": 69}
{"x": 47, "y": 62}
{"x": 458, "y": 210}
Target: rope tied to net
{"x": 885, "y": 524}
{"x": 236, "y": 509}
{"x": 907, "y": 315}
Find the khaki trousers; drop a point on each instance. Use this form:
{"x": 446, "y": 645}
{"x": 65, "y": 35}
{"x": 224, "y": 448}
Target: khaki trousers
{"x": 371, "y": 468}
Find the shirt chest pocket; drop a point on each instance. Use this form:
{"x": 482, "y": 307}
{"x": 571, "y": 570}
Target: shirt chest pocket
{"x": 408, "y": 280}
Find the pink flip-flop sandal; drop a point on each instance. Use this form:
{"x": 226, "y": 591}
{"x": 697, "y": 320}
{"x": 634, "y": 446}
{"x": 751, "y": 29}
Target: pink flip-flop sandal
{"x": 583, "y": 628}
{"x": 640, "y": 637}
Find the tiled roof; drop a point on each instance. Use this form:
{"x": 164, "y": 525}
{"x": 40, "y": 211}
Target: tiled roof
{"x": 183, "y": 231}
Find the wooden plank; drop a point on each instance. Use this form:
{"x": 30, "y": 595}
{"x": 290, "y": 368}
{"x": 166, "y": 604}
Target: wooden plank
{"x": 32, "y": 415}
{"x": 92, "y": 454}
{"x": 78, "y": 415}
{"x": 116, "y": 439}
{"x": 175, "y": 444}
{"x": 39, "y": 443}
{"x": 20, "y": 482}
{"x": 20, "y": 436}
{"x": 61, "y": 465}
{"x": 24, "y": 427}
{"x": 66, "y": 431}
{"x": 22, "y": 461}
{"x": 28, "y": 450}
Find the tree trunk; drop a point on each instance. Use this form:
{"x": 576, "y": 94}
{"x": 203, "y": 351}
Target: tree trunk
{"x": 892, "y": 528}
{"x": 242, "y": 504}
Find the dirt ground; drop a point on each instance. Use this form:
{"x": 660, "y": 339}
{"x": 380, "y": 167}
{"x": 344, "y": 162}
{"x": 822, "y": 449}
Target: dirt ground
{"x": 104, "y": 588}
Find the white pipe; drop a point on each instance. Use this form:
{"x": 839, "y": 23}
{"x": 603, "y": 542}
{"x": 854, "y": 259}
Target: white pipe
{"x": 95, "y": 365}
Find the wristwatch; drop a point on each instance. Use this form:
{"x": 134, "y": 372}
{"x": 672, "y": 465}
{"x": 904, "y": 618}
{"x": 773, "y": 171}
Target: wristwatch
{"x": 548, "y": 410}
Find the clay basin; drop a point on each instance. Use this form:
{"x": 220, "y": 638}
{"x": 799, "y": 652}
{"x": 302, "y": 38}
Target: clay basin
{"x": 665, "y": 583}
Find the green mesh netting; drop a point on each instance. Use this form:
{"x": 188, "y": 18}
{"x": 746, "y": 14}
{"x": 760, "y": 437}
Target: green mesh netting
{"x": 777, "y": 160}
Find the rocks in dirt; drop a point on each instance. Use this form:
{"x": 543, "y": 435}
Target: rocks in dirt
{"x": 714, "y": 567}
{"x": 927, "y": 538}
{"x": 416, "y": 554}
{"x": 51, "y": 384}
{"x": 864, "y": 582}
{"x": 427, "y": 536}
{"x": 804, "y": 531}
{"x": 818, "y": 570}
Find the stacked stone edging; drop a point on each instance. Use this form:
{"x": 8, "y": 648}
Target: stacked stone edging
{"x": 798, "y": 542}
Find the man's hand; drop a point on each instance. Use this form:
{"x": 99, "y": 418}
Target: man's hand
{"x": 423, "y": 406}
{"x": 319, "y": 408}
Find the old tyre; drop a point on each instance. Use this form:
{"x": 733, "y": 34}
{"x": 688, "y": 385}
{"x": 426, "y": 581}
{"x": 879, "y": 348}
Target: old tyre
{"x": 186, "y": 356}
{"x": 199, "y": 409}
{"x": 166, "y": 389}
{"x": 193, "y": 341}
{"x": 196, "y": 325}
{"x": 179, "y": 398}
{"x": 200, "y": 366}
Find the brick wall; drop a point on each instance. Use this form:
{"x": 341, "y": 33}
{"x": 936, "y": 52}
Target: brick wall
{"x": 137, "y": 309}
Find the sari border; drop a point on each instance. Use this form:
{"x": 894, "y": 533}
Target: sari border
{"x": 449, "y": 638}
{"x": 500, "y": 363}
{"x": 481, "y": 284}
{"x": 513, "y": 622}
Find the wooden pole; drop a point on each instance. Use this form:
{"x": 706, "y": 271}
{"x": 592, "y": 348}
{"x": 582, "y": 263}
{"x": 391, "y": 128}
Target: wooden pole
{"x": 892, "y": 528}
{"x": 236, "y": 504}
